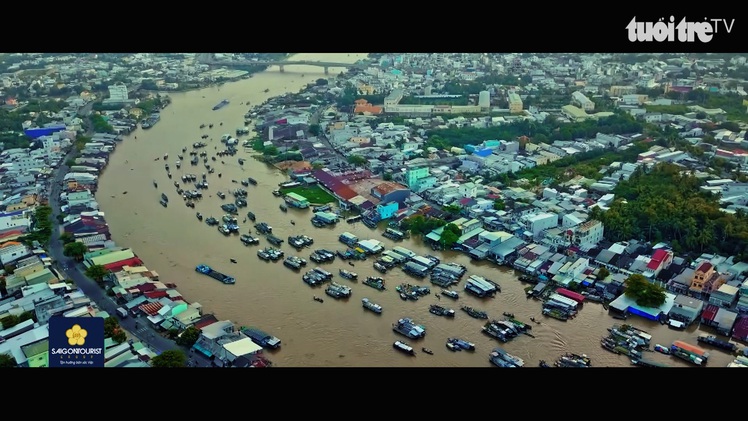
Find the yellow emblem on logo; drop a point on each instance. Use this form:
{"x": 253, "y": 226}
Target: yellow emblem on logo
{"x": 76, "y": 335}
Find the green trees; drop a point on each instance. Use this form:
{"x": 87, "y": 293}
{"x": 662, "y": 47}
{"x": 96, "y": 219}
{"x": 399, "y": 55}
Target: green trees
{"x": 450, "y": 235}
{"x": 7, "y": 361}
{"x": 113, "y": 330}
{"x": 75, "y": 250}
{"x": 41, "y": 226}
{"x": 666, "y": 204}
{"x": 644, "y": 292}
{"x": 188, "y": 337}
{"x": 170, "y": 359}
{"x": 97, "y": 273}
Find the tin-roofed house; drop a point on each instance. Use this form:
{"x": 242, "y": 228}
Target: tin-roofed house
{"x": 742, "y": 304}
{"x": 681, "y": 282}
{"x": 686, "y": 309}
{"x": 722, "y": 320}
{"x": 740, "y": 330}
{"x": 725, "y": 296}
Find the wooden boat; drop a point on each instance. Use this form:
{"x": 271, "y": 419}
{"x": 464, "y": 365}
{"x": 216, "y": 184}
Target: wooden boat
{"x": 427, "y": 351}
{"x": 318, "y": 299}
{"x": 475, "y": 313}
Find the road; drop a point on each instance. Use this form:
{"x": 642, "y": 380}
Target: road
{"x": 75, "y": 272}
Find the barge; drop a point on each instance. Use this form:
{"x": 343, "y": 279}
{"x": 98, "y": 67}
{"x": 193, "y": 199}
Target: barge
{"x": 207, "y": 270}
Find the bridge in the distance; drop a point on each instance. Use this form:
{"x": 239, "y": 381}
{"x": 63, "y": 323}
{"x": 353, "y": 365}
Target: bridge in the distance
{"x": 208, "y": 58}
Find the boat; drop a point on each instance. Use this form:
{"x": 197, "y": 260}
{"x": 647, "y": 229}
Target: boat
{"x": 266, "y": 90}
{"x": 199, "y": 216}
{"x": 336, "y": 290}
{"x": 318, "y": 299}
{"x": 717, "y": 343}
{"x": 248, "y": 239}
{"x": 403, "y": 296}
{"x": 163, "y": 203}
{"x": 543, "y": 364}
{"x": 403, "y": 347}
{"x": 441, "y": 311}
{"x": 427, "y": 351}
{"x": 220, "y": 194}
{"x": 507, "y": 314}
{"x": 475, "y": 313}
{"x": 451, "y": 294}
{"x": 164, "y": 197}
{"x": 251, "y": 216}
{"x": 373, "y": 307}
{"x": 348, "y": 274}
{"x": 220, "y": 105}
{"x": 233, "y": 260}
{"x": 467, "y": 346}
{"x": 202, "y": 126}
{"x": 252, "y": 181}
{"x": 375, "y": 282}
{"x": 571, "y": 360}
{"x": 453, "y": 347}
{"x": 407, "y": 327}
{"x": 207, "y": 270}
{"x": 211, "y": 221}
{"x": 283, "y": 207}
{"x": 277, "y": 193}
{"x": 262, "y": 338}
{"x": 155, "y": 184}
{"x": 500, "y": 358}
{"x": 662, "y": 349}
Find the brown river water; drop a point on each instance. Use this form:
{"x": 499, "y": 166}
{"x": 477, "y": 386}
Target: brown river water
{"x": 270, "y": 296}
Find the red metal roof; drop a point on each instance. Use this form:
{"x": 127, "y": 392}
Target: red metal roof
{"x": 155, "y": 294}
{"x": 704, "y": 267}
{"x": 150, "y": 309}
{"x": 690, "y": 348}
{"x": 571, "y": 294}
{"x": 146, "y": 287}
{"x": 710, "y": 312}
{"x": 117, "y": 266}
{"x": 740, "y": 330}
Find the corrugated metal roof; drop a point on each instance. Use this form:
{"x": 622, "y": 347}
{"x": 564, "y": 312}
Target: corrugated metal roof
{"x": 710, "y": 312}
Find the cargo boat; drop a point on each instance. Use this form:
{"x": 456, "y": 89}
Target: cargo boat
{"x": 403, "y": 347}
{"x": 475, "y": 313}
{"x": 441, "y": 311}
{"x": 690, "y": 353}
{"x": 501, "y": 358}
{"x": 207, "y": 270}
{"x": 336, "y": 290}
{"x": 462, "y": 344}
{"x": 261, "y": 338}
{"x": 348, "y": 274}
{"x": 375, "y": 282}
{"x": 717, "y": 343}
{"x": 373, "y": 307}
{"x": 407, "y": 327}
{"x": 221, "y": 104}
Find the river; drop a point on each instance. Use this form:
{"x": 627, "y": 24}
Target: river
{"x": 270, "y": 296}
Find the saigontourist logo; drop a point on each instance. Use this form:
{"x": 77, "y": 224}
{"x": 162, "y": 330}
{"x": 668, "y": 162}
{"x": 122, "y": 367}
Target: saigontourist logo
{"x": 76, "y": 335}
{"x": 76, "y": 342}
{"x": 673, "y": 30}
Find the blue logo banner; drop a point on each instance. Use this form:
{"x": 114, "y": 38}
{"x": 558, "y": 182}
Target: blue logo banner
{"x": 76, "y": 342}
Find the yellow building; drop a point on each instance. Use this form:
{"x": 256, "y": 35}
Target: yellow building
{"x": 574, "y": 113}
{"x": 515, "y": 103}
{"x": 364, "y": 89}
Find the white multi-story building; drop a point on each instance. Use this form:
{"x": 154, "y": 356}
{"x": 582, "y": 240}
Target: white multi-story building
{"x": 540, "y": 222}
{"x": 118, "y": 93}
{"x": 589, "y": 234}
